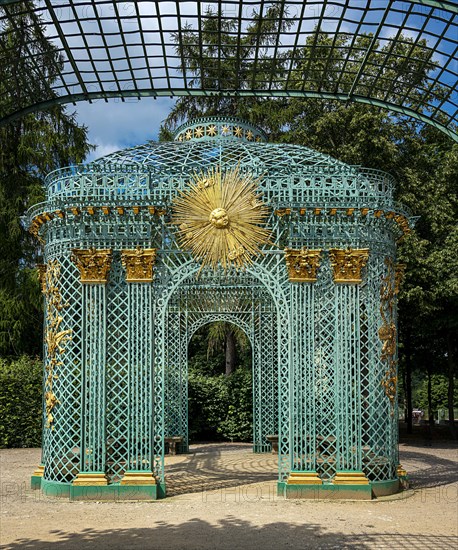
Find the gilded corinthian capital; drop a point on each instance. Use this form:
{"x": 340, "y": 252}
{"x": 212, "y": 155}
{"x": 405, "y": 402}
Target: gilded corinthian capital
{"x": 139, "y": 264}
{"x": 347, "y": 264}
{"x": 94, "y": 265}
{"x": 302, "y": 264}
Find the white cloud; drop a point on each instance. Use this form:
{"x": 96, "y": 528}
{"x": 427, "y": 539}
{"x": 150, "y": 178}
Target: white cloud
{"x": 116, "y": 125}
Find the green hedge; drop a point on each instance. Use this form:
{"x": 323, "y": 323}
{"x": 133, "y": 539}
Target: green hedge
{"x": 220, "y": 407}
{"x": 20, "y": 402}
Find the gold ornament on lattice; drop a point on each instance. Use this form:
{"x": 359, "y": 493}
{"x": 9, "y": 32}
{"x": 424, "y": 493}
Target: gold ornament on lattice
{"x": 220, "y": 218}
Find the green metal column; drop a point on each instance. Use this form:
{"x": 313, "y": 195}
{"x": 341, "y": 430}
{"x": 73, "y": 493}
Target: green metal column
{"x": 304, "y": 430}
{"x": 94, "y": 266}
{"x": 347, "y": 378}
{"x": 140, "y": 369}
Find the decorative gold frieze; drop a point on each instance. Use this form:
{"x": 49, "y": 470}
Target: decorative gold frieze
{"x": 302, "y": 264}
{"x": 154, "y": 210}
{"x": 94, "y": 265}
{"x": 347, "y": 264}
{"x": 280, "y": 212}
{"x": 403, "y": 224}
{"x": 55, "y": 338}
{"x": 34, "y": 229}
{"x": 139, "y": 264}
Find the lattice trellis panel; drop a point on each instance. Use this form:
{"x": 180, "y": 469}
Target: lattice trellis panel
{"x": 61, "y": 446}
{"x": 325, "y": 376}
{"x": 117, "y": 374}
{"x": 175, "y": 379}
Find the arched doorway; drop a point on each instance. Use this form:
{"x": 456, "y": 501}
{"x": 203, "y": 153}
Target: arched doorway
{"x": 245, "y": 302}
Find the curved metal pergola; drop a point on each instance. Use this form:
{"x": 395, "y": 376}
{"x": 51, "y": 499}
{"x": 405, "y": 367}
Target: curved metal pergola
{"x": 112, "y": 49}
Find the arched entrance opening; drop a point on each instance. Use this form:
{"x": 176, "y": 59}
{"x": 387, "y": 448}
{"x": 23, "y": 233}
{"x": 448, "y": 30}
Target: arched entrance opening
{"x": 220, "y": 384}
{"x": 242, "y": 300}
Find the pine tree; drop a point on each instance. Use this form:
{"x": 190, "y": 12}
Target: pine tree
{"x": 30, "y": 148}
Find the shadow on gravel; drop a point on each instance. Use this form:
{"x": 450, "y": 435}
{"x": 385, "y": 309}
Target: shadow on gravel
{"x": 212, "y": 467}
{"x": 233, "y": 534}
{"x": 430, "y": 470}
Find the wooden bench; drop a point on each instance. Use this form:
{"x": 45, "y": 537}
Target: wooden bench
{"x": 273, "y": 440}
{"x": 173, "y": 442}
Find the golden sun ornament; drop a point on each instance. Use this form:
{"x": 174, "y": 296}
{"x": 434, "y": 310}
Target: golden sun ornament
{"x": 219, "y": 217}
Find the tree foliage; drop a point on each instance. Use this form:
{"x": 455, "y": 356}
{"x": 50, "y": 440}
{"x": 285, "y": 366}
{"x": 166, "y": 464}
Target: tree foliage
{"x": 30, "y": 148}
{"x": 21, "y": 402}
{"x": 220, "y": 406}
{"x": 227, "y": 337}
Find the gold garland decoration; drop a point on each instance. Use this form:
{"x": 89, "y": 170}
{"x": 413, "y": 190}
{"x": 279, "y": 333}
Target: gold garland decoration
{"x": 387, "y": 333}
{"x": 219, "y": 218}
{"x": 55, "y": 338}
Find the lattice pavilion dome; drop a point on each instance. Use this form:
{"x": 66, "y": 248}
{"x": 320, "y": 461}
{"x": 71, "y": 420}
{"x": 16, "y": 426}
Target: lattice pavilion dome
{"x": 204, "y": 140}
{"x": 289, "y": 174}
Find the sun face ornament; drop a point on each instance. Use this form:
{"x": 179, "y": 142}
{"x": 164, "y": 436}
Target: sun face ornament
{"x": 220, "y": 219}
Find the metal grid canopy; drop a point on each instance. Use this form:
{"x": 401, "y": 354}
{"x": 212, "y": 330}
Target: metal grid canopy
{"x": 318, "y": 306}
{"x": 137, "y": 49}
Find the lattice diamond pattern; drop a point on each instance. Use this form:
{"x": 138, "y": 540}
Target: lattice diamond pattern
{"x": 117, "y": 420}
{"x": 61, "y": 446}
{"x": 325, "y": 368}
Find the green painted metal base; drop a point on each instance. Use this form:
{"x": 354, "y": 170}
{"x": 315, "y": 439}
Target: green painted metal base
{"x": 35, "y": 482}
{"x": 329, "y": 491}
{"x": 386, "y": 488}
{"x": 104, "y": 492}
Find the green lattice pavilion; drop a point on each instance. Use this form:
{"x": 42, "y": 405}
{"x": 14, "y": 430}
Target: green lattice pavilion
{"x": 123, "y": 299}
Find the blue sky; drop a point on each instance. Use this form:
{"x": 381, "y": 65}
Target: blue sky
{"x": 116, "y": 125}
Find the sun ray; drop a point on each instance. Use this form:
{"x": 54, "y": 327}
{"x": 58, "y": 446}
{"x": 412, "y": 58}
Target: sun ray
{"x": 220, "y": 218}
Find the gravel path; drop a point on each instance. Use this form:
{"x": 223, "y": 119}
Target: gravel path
{"x": 224, "y": 497}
